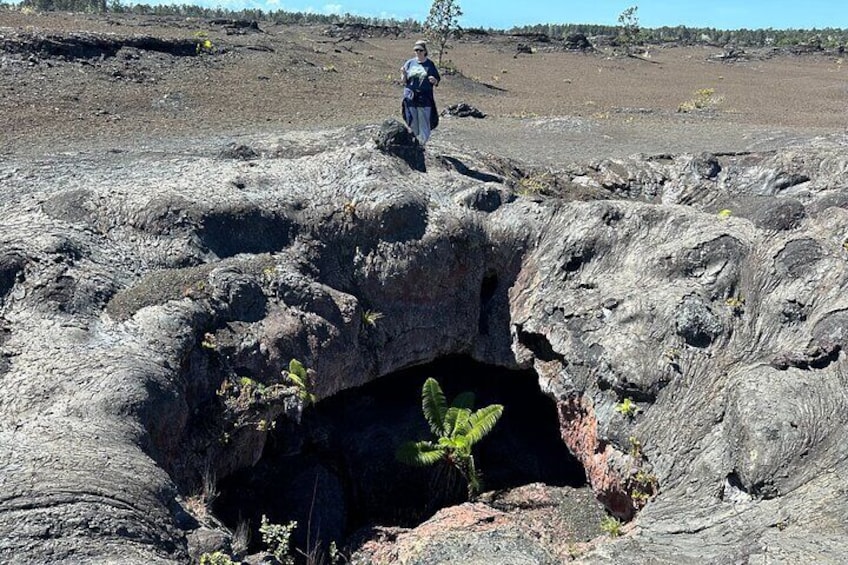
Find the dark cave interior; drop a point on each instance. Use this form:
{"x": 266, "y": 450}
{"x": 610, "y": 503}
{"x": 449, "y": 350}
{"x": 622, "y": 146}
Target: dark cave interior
{"x": 335, "y": 472}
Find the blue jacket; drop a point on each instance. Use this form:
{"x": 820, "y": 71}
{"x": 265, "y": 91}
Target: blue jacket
{"x": 418, "y": 91}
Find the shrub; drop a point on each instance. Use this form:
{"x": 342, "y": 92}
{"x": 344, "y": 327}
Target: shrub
{"x": 704, "y": 98}
{"x": 216, "y": 558}
{"x": 277, "y": 537}
{"x": 204, "y": 44}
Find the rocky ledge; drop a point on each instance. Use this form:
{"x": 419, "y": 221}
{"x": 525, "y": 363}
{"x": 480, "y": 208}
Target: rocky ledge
{"x": 683, "y": 316}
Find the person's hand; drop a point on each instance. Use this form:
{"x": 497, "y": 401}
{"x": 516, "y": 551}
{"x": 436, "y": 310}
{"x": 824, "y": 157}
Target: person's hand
{"x": 432, "y": 80}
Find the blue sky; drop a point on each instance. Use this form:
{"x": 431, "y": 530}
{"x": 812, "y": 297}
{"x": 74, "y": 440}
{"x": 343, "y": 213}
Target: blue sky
{"x": 722, "y": 14}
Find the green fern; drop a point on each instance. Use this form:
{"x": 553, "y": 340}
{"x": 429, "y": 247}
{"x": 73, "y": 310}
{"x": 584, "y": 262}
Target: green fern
{"x": 434, "y": 405}
{"x": 370, "y": 318}
{"x": 299, "y": 377}
{"x": 420, "y": 453}
{"x": 456, "y": 427}
{"x": 481, "y": 422}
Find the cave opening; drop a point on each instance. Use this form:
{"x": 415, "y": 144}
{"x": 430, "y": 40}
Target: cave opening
{"x": 336, "y": 474}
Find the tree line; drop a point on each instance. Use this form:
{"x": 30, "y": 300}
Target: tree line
{"x": 190, "y": 10}
{"x": 825, "y": 38}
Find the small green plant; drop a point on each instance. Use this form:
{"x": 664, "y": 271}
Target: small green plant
{"x": 574, "y": 550}
{"x": 645, "y": 488}
{"x": 204, "y": 44}
{"x": 611, "y": 526}
{"x": 536, "y": 183}
{"x": 672, "y": 355}
{"x": 640, "y": 498}
{"x": 736, "y": 305}
{"x": 209, "y": 341}
{"x": 349, "y": 208}
{"x": 704, "y": 98}
{"x": 456, "y": 427}
{"x": 264, "y": 425}
{"x": 335, "y": 554}
{"x": 724, "y": 214}
{"x": 370, "y": 318}
{"x": 277, "y": 538}
{"x": 216, "y": 558}
{"x": 627, "y": 408}
{"x": 196, "y": 290}
{"x": 248, "y": 385}
{"x": 635, "y": 448}
{"x": 298, "y": 376}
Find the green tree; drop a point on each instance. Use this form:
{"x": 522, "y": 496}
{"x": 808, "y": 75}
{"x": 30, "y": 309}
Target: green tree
{"x": 442, "y": 24}
{"x": 68, "y": 5}
{"x": 456, "y": 427}
{"x": 629, "y": 22}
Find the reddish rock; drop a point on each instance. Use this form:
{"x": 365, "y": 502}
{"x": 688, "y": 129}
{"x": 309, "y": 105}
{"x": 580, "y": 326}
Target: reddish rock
{"x": 579, "y": 428}
{"x": 531, "y": 524}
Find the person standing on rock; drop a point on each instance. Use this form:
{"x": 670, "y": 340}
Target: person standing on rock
{"x": 420, "y": 76}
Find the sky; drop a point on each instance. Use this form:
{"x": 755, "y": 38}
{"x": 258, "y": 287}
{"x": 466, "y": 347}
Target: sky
{"x": 504, "y": 14}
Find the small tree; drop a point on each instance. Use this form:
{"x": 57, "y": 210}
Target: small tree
{"x": 442, "y": 23}
{"x": 457, "y": 428}
{"x": 629, "y": 22}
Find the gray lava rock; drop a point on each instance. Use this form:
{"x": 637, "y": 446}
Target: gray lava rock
{"x": 150, "y": 307}
{"x": 798, "y": 257}
{"x": 484, "y": 199}
{"x": 577, "y": 41}
{"x": 395, "y": 139}
{"x": 463, "y": 110}
{"x": 697, "y": 323}
{"x": 238, "y": 151}
{"x": 705, "y": 166}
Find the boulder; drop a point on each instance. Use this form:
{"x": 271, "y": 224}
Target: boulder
{"x": 577, "y": 41}
{"x": 463, "y": 110}
{"x": 395, "y": 139}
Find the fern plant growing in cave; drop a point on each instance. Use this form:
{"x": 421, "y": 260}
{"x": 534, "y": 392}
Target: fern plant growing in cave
{"x": 456, "y": 429}
{"x": 298, "y": 376}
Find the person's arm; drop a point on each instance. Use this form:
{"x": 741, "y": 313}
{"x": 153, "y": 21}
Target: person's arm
{"x": 404, "y": 74}
{"x": 434, "y": 74}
